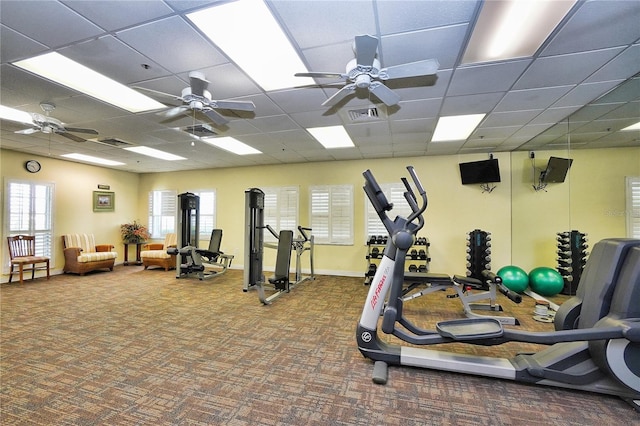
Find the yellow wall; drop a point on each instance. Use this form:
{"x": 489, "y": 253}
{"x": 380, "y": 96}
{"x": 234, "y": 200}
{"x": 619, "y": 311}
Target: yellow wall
{"x": 73, "y": 200}
{"x": 523, "y": 222}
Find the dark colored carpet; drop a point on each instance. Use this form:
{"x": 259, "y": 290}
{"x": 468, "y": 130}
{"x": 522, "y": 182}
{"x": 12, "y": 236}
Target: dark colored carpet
{"x": 142, "y": 347}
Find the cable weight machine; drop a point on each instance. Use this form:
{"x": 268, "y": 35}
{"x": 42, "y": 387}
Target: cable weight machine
{"x": 254, "y": 252}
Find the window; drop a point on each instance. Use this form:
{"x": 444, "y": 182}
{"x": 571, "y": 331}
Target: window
{"x": 395, "y": 194}
{"x": 207, "y": 213}
{"x": 633, "y": 207}
{"x": 30, "y": 207}
{"x": 280, "y": 209}
{"x": 162, "y": 212}
{"x": 331, "y": 212}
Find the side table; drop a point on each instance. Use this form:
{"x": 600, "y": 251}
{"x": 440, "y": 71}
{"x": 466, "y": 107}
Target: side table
{"x": 126, "y": 254}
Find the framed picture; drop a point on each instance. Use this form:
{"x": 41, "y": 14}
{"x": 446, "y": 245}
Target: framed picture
{"x": 103, "y": 201}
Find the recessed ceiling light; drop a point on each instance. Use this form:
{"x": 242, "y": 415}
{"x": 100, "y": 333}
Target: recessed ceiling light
{"x": 91, "y": 159}
{"x": 267, "y": 55}
{"x": 632, "y": 127}
{"x": 456, "y": 127}
{"x": 232, "y": 145}
{"x": 509, "y": 29}
{"x": 155, "y": 153}
{"x": 12, "y": 114}
{"x": 332, "y": 136}
{"x": 62, "y": 70}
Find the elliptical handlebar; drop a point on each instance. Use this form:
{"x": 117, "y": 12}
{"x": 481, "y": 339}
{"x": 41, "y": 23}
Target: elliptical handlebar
{"x": 302, "y": 230}
{"x": 382, "y": 205}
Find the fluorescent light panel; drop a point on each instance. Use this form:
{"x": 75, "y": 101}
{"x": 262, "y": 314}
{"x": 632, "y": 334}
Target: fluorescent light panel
{"x": 632, "y": 127}
{"x": 266, "y": 55}
{"x": 12, "y": 114}
{"x": 62, "y": 70}
{"x": 91, "y": 159}
{"x": 456, "y": 127}
{"x": 155, "y": 153}
{"x": 332, "y": 136}
{"x": 232, "y": 145}
{"x": 509, "y": 29}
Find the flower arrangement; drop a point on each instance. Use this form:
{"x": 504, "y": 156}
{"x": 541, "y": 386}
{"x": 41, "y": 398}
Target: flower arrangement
{"x": 134, "y": 232}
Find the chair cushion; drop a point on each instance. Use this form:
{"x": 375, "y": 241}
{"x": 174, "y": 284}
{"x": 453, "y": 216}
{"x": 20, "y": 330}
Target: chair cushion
{"x": 154, "y": 254}
{"x": 29, "y": 259}
{"x": 170, "y": 239}
{"x": 92, "y": 257}
{"x": 87, "y": 242}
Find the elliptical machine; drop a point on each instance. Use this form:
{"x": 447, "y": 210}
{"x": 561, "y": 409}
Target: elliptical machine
{"x": 596, "y": 345}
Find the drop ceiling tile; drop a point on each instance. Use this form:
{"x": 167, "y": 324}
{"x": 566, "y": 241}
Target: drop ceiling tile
{"x": 127, "y": 13}
{"x": 405, "y": 16}
{"x": 607, "y": 23}
{"x": 470, "y": 104}
{"x": 316, "y": 23}
{"x": 173, "y": 44}
{"x": 623, "y": 66}
{"x": 48, "y": 22}
{"x": 517, "y": 100}
{"x": 495, "y": 77}
{"x": 565, "y": 69}
{"x": 16, "y": 46}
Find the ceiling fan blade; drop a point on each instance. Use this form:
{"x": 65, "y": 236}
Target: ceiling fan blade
{"x": 198, "y": 83}
{"x": 28, "y": 131}
{"x": 215, "y": 117}
{"x": 172, "y": 112}
{"x": 382, "y": 92}
{"x": 366, "y": 47}
{"x": 412, "y": 69}
{"x": 321, "y": 75}
{"x": 80, "y": 130}
{"x": 237, "y": 105}
{"x": 72, "y": 137}
{"x": 340, "y": 95}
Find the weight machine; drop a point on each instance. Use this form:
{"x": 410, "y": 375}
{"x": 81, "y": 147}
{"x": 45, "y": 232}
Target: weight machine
{"x": 254, "y": 251}
{"x": 595, "y": 346}
{"x": 190, "y": 259}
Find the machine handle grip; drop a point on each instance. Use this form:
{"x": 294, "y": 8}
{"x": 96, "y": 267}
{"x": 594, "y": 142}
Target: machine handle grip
{"x": 304, "y": 234}
{"x": 491, "y": 277}
{"x": 512, "y": 295}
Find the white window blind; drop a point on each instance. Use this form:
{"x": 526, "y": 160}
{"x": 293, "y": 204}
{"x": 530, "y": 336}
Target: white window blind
{"x": 331, "y": 212}
{"x": 162, "y": 212}
{"x": 30, "y": 207}
{"x": 395, "y": 194}
{"x": 633, "y": 207}
{"x": 280, "y": 209}
{"x": 207, "y": 212}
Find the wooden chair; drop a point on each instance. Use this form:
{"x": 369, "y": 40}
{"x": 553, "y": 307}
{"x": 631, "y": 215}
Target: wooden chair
{"x": 156, "y": 253}
{"x": 22, "y": 250}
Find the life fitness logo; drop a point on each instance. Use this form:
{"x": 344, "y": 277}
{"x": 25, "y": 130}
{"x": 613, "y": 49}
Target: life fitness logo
{"x": 376, "y": 295}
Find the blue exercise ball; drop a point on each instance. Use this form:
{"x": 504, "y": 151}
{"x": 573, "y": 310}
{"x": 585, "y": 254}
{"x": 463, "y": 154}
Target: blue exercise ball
{"x": 514, "y": 278}
{"x": 546, "y": 281}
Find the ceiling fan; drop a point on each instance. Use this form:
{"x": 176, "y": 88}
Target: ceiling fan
{"x": 198, "y": 99}
{"x": 47, "y": 124}
{"x": 364, "y": 72}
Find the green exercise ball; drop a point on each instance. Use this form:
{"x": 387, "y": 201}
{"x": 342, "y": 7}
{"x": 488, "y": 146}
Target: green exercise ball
{"x": 514, "y": 278}
{"x": 545, "y": 281}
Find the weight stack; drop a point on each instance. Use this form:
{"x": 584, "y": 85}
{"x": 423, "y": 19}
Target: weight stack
{"x": 478, "y": 253}
{"x": 572, "y": 256}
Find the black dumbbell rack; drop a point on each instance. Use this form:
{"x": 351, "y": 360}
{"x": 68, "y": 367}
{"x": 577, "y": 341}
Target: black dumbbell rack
{"x": 478, "y": 253}
{"x": 417, "y": 257}
{"x": 572, "y": 256}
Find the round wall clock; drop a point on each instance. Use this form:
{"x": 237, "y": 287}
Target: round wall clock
{"x": 33, "y": 166}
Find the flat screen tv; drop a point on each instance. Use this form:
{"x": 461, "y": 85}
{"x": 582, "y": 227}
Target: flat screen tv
{"x": 484, "y": 171}
{"x": 556, "y": 170}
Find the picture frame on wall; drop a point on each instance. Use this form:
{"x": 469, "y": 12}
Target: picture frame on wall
{"x": 103, "y": 201}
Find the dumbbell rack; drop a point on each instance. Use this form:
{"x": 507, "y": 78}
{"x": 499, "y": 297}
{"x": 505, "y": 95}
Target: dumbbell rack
{"x": 478, "y": 253}
{"x": 419, "y": 254}
{"x": 572, "y": 256}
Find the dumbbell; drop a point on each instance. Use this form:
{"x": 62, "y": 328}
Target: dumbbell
{"x": 413, "y": 268}
{"x": 372, "y": 270}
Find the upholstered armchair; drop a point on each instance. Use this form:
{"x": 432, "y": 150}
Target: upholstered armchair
{"x": 82, "y": 254}
{"x": 155, "y": 254}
